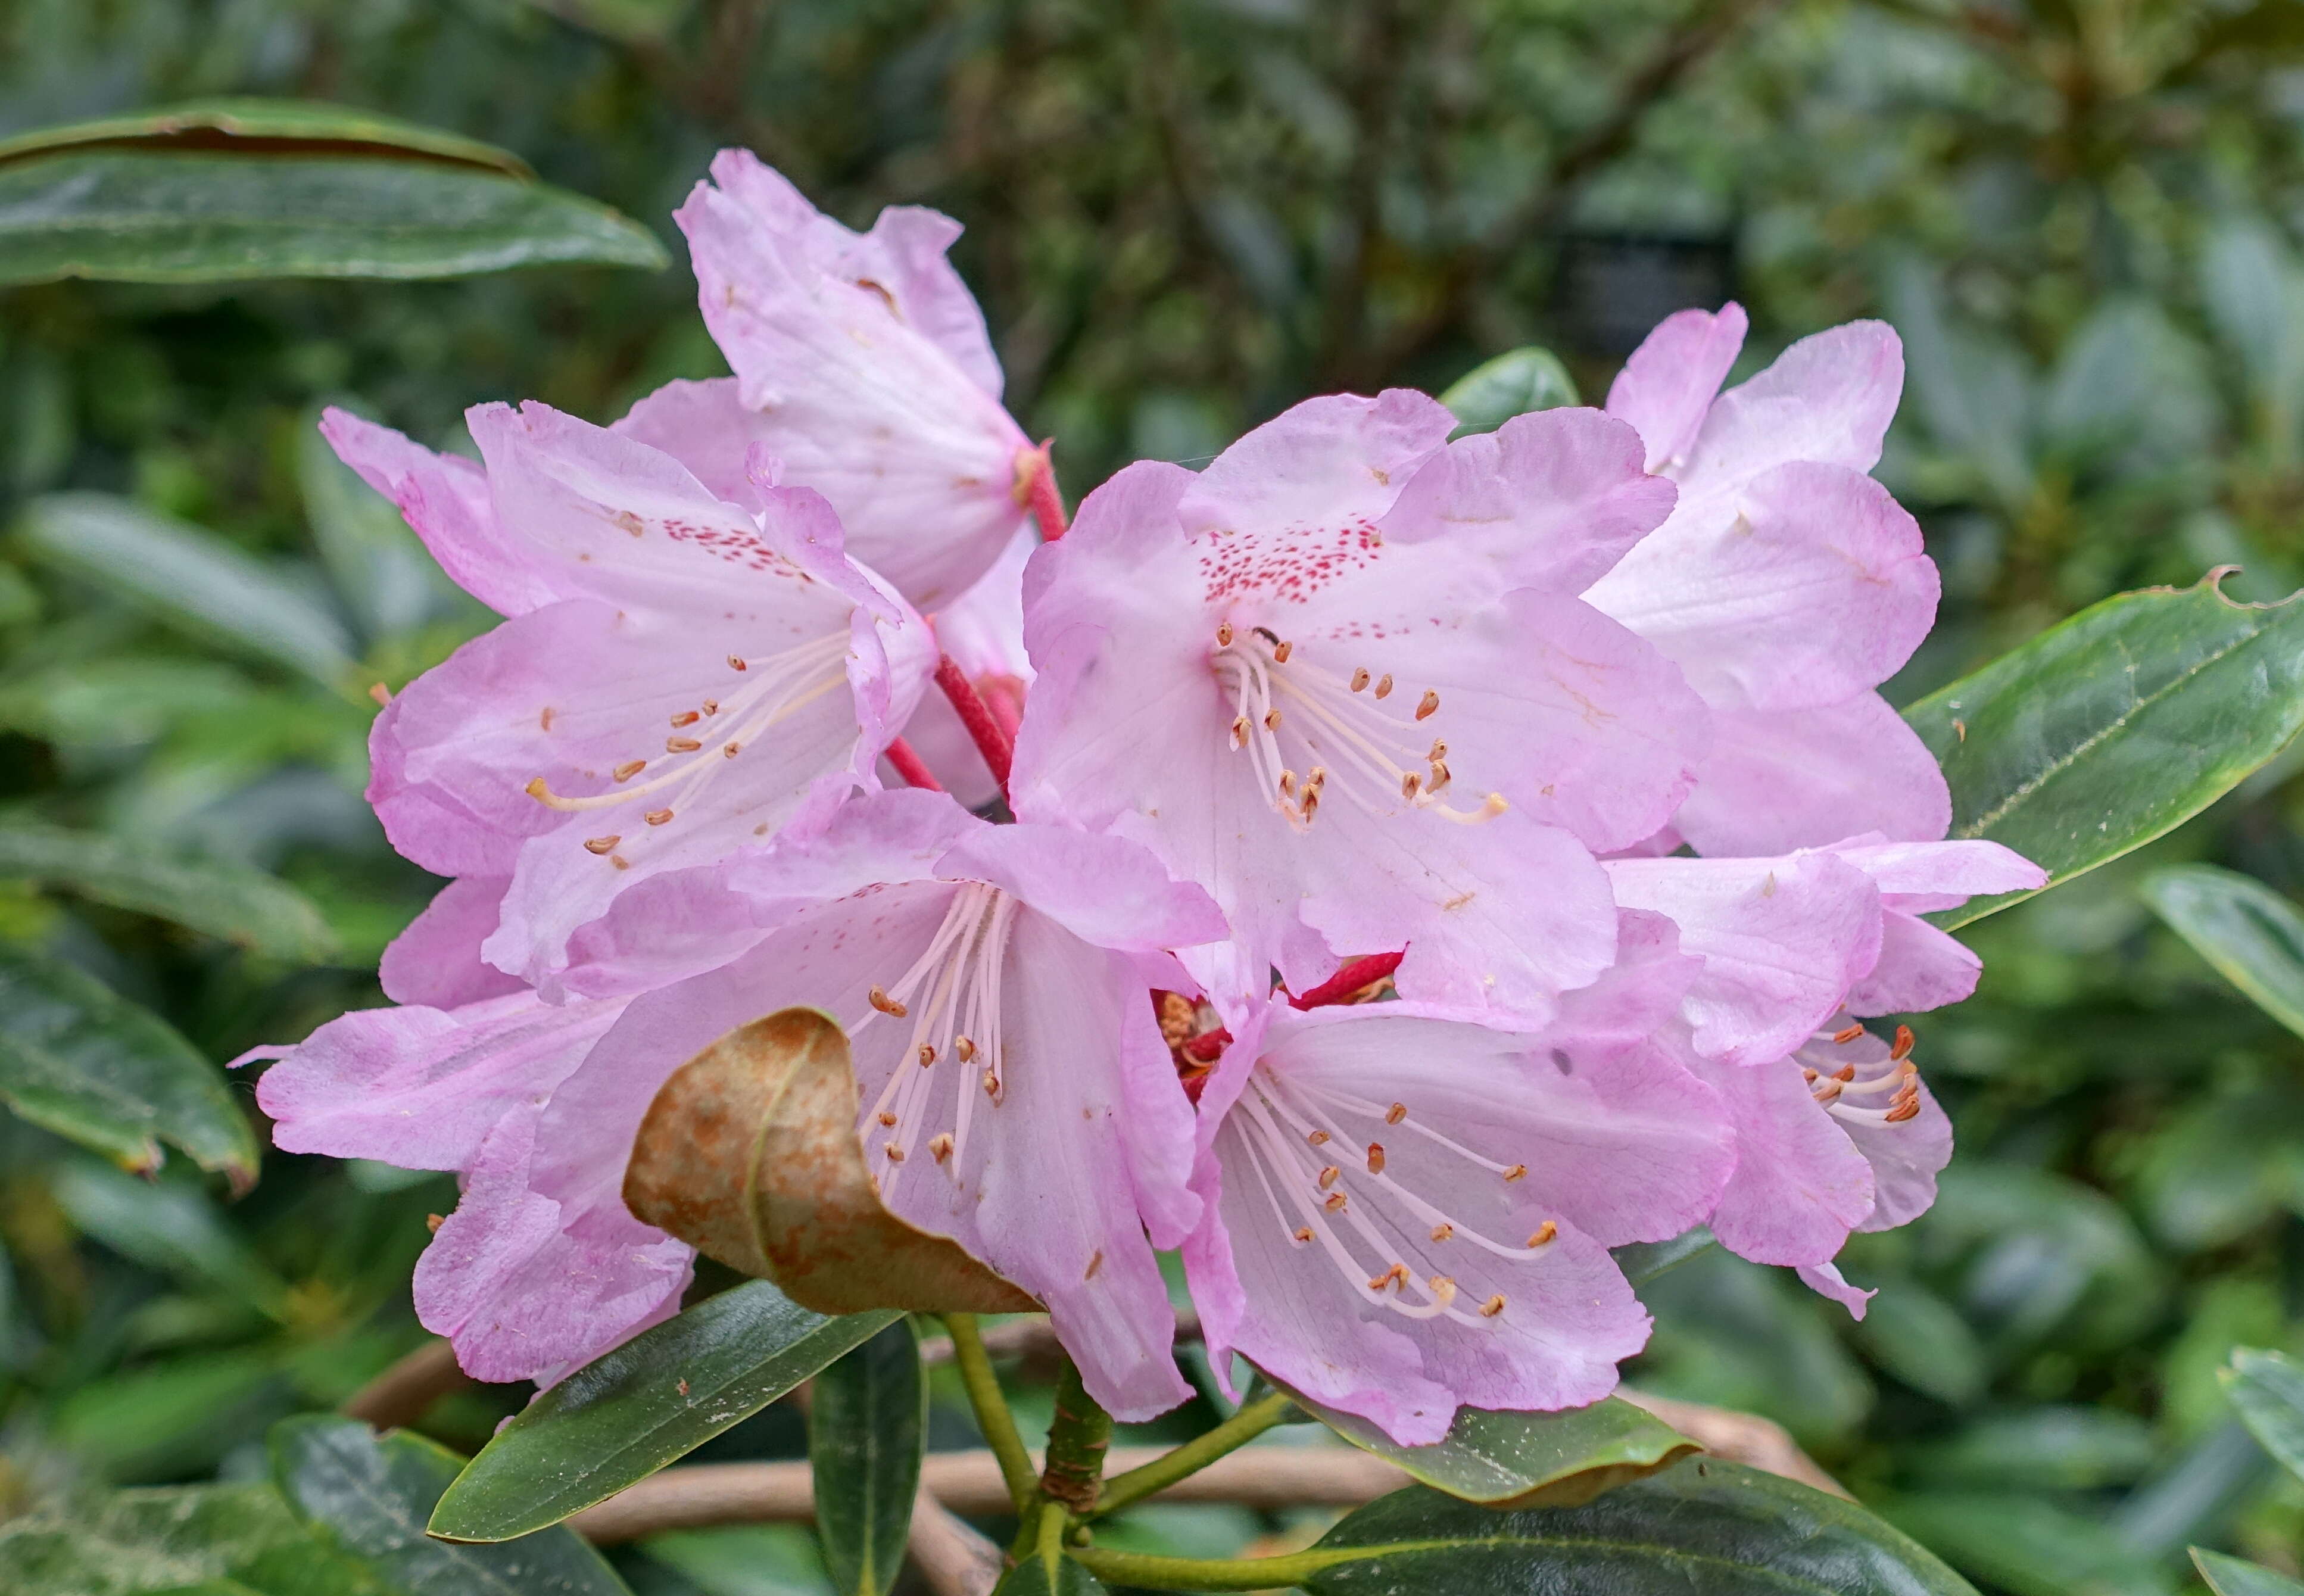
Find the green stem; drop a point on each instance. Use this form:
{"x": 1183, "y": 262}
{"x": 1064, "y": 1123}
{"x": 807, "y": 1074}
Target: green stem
{"x": 1194, "y": 1455}
{"x": 1198, "y": 1573}
{"x": 992, "y": 1415}
{"x": 1077, "y": 1442}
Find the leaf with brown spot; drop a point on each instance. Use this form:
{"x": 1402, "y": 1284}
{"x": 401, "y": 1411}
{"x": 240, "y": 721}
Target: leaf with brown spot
{"x": 749, "y": 1154}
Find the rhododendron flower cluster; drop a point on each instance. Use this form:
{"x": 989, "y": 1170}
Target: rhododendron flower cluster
{"x": 1571, "y": 730}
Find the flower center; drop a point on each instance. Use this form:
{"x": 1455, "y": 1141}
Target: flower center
{"x": 707, "y": 739}
{"x": 952, "y": 995}
{"x": 1856, "y": 1080}
{"x": 1311, "y": 734}
{"x": 1396, "y": 1248}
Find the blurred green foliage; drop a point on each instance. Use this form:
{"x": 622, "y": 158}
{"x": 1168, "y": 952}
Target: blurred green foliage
{"x": 2083, "y": 216}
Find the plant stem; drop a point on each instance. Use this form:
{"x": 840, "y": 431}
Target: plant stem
{"x": 1077, "y": 1442}
{"x": 1193, "y": 1456}
{"x": 992, "y": 1415}
{"x": 1201, "y": 1574}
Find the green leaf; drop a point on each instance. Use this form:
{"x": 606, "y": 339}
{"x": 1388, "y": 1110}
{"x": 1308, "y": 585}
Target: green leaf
{"x": 1643, "y": 1261}
{"x": 2026, "y": 1545}
{"x": 238, "y": 905}
{"x": 206, "y": 1540}
{"x": 1038, "y": 1576}
{"x": 77, "y": 1059}
{"x": 2249, "y": 934}
{"x": 1526, "y": 1459}
{"x": 370, "y": 1496}
{"x": 653, "y": 1399}
{"x": 2049, "y": 1446}
{"x": 752, "y": 1559}
{"x": 1708, "y": 1526}
{"x": 383, "y": 573}
{"x": 1512, "y": 383}
{"x": 2115, "y": 726}
{"x": 224, "y": 191}
{"x": 2268, "y": 1389}
{"x": 190, "y": 577}
{"x": 164, "y": 1420}
{"x": 2228, "y": 1576}
{"x": 170, "y": 1225}
{"x": 866, "y": 1428}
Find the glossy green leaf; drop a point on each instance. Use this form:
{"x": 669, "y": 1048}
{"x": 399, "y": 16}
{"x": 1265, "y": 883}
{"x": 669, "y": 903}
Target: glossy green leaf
{"x": 170, "y": 1225}
{"x": 2051, "y": 1447}
{"x": 232, "y": 902}
{"x": 234, "y": 189}
{"x": 866, "y": 1428}
{"x": 191, "y": 577}
{"x": 2115, "y": 726}
{"x": 1038, "y": 1576}
{"x": 185, "y": 1541}
{"x": 2228, "y": 1576}
{"x": 1526, "y": 1459}
{"x": 370, "y": 1496}
{"x": 2267, "y": 1389}
{"x": 77, "y": 1059}
{"x": 653, "y": 1400}
{"x": 175, "y": 1417}
{"x": 751, "y": 1559}
{"x": 1643, "y": 1261}
{"x": 1708, "y": 1526}
{"x": 2026, "y": 1545}
{"x": 2251, "y": 936}
{"x": 1512, "y": 383}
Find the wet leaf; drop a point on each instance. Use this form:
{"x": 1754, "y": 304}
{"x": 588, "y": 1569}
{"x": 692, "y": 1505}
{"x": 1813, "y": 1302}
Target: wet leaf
{"x": 2228, "y": 1576}
{"x": 186, "y": 1540}
{"x": 2268, "y": 1389}
{"x": 749, "y": 1154}
{"x": 867, "y": 1427}
{"x": 1643, "y": 1261}
{"x": 2253, "y": 936}
{"x": 1512, "y": 383}
{"x": 238, "y": 905}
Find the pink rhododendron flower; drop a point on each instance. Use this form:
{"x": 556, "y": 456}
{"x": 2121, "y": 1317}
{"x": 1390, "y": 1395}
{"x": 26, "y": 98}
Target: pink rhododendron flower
{"x": 680, "y": 677}
{"x": 1407, "y": 1210}
{"x": 862, "y": 364}
{"x": 1340, "y": 678}
{"x": 982, "y": 632}
{"x": 994, "y": 982}
{"x": 1787, "y": 583}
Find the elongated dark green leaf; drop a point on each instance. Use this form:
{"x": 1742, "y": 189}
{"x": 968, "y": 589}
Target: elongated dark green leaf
{"x": 79, "y": 1059}
{"x": 227, "y": 901}
{"x": 2267, "y": 1389}
{"x": 2028, "y": 1545}
{"x": 1643, "y": 1261}
{"x": 171, "y": 1225}
{"x": 186, "y": 1540}
{"x": 656, "y": 1398}
{"x": 1038, "y": 1576}
{"x": 1704, "y": 1526}
{"x": 1512, "y": 383}
{"x": 866, "y": 1428}
{"x": 1527, "y": 1459}
{"x": 382, "y": 574}
{"x": 233, "y": 190}
{"x": 370, "y": 1496}
{"x": 191, "y": 577}
{"x": 2253, "y": 936}
{"x": 2228, "y": 1576}
{"x": 2115, "y": 727}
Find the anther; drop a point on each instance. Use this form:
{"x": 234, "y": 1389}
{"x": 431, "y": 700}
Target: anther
{"x": 1287, "y": 783}
{"x": 1410, "y": 784}
{"x": 1360, "y": 678}
{"x": 1493, "y": 1306}
{"x": 600, "y": 845}
{"x": 1544, "y": 1233}
{"x": 1317, "y": 1138}
{"x": 1845, "y": 1037}
{"x": 940, "y": 1146}
{"x": 537, "y": 788}
{"x": 1384, "y": 685}
{"x": 734, "y": 664}
{"x": 728, "y": 751}
{"x": 992, "y": 1086}
{"x": 1439, "y": 752}
{"x": 630, "y": 769}
{"x": 1439, "y": 777}
{"x": 1240, "y": 731}
{"x": 620, "y": 861}
{"x": 1376, "y": 1157}
{"x": 1272, "y": 719}
{"x": 712, "y": 706}
{"x": 686, "y": 717}
{"x": 657, "y": 817}
{"x": 1328, "y": 1176}
{"x": 1336, "y": 1203}
{"x": 1902, "y": 1111}
{"x": 1397, "y": 1273}
{"x": 1517, "y": 1171}
{"x": 965, "y": 1048}
{"x": 928, "y": 1054}
{"x": 1441, "y": 1233}
{"x": 878, "y": 998}
{"x": 680, "y": 745}
{"x": 887, "y": 1118}
{"x": 895, "y": 1153}
{"x": 1427, "y": 706}
{"x": 1281, "y": 651}
{"x": 1395, "y": 1114}
{"x": 1224, "y": 635}
{"x": 1444, "y": 1289}
{"x": 1302, "y": 1233}
{"x": 1844, "y": 1073}
{"x": 1903, "y": 1048}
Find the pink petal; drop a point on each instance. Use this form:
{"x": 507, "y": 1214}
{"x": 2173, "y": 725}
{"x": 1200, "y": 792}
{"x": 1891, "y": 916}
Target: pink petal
{"x": 1825, "y": 1280}
{"x": 1105, "y": 891}
{"x": 1828, "y": 398}
{"x": 1321, "y": 465}
{"x": 1920, "y": 968}
{"x": 1922, "y": 877}
{"x": 1780, "y": 779}
{"x": 437, "y": 961}
{"x": 1667, "y": 387}
{"x": 1800, "y": 1185}
{"x": 705, "y": 426}
{"x": 1782, "y": 941}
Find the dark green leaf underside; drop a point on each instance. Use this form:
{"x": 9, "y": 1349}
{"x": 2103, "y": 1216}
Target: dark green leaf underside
{"x": 242, "y": 906}
{"x": 2253, "y": 936}
{"x": 867, "y": 1427}
{"x": 255, "y": 127}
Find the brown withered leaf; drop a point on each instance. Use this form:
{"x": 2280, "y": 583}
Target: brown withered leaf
{"x": 749, "y": 1154}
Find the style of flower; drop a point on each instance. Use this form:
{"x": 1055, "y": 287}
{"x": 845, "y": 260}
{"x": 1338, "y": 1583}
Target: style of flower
{"x": 1787, "y": 583}
{"x": 1407, "y": 1210}
{"x": 1017, "y": 1095}
{"x": 982, "y": 633}
{"x": 862, "y": 365}
{"x": 680, "y": 676}
{"x": 1340, "y": 679}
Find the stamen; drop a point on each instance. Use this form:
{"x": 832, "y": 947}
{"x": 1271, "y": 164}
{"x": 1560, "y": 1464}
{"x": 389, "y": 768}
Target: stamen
{"x": 1902, "y": 1049}
{"x": 686, "y": 717}
{"x": 1409, "y": 785}
{"x": 1224, "y": 635}
{"x": 712, "y": 706}
{"x": 1239, "y": 732}
{"x": 1396, "y": 1274}
{"x": 1493, "y": 1306}
{"x": 1302, "y": 1233}
{"x": 1280, "y": 652}
{"x": 537, "y": 789}
{"x": 928, "y": 1054}
{"x": 1287, "y": 783}
{"x": 1442, "y": 1232}
{"x": 601, "y": 844}
{"x": 887, "y": 1118}
{"x": 1395, "y": 1114}
{"x": 680, "y": 745}
{"x": 1376, "y": 1157}
{"x": 1903, "y": 1110}
{"x": 940, "y": 1146}
{"x": 1845, "y": 1037}
{"x": 1360, "y": 678}
{"x": 878, "y": 998}
{"x": 1544, "y": 1233}
{"x": 1517, "y": 1171}
{"x": 728, "y": 751}
{"x": 895, "y": 1153}
{"x": 736, "y": 664}
{"x": 1439, "y": 751}
{"x": 630, "y": 769}
{"x": 1336, "y": 1203}
{"x": 657, "y": 817}
{"x": 1328, "y": 1176}
{"x": 965, "y": 1048}
{"x": 1272, "y": 720}
{"x": 1444, "y": 1289}
{"x": 992, "y": 1086}
{"x": 1317, "y": 1138}
{"x": 1384, "y": 685}
{"x": 1429, "y": 705}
